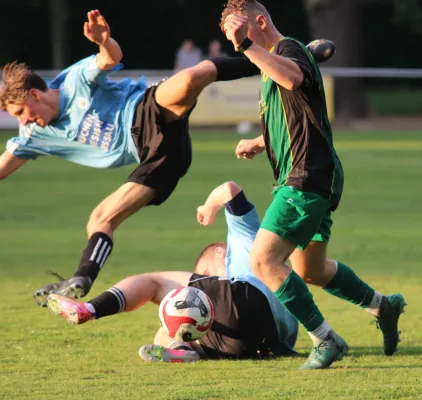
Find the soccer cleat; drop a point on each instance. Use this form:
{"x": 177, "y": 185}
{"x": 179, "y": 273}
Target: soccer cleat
{"x": 321, "y": 49}
{"x": 74, "y": 311}
{"x": 75, "y": 287}
{"x": 390, "y": 309}
{"x": 333, "y": 348}
{"x": 155, "y": 353}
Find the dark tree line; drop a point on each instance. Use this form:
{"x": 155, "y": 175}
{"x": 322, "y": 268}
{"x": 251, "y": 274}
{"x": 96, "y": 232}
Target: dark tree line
{"x": 379, "y": 33}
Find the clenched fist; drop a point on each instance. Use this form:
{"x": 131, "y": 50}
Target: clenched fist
{"x": 206, "y": 215}
{"x": 249, "y": 148}
{"x": 236, "y": 29}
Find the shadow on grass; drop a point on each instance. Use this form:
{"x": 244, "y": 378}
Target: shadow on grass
{"x": 378, "y": 351}
{"x": 362, "y": 352}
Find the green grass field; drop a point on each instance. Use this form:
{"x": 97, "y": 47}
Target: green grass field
{"x": 44, "y": 209}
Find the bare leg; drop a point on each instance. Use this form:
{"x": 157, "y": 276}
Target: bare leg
{"x": 141, "y": 289}
{"x": 268, "y": 258}
{"x": 178, "y": 94}
{"x": 114, "y": 209}
{"x": 312, "y": 264}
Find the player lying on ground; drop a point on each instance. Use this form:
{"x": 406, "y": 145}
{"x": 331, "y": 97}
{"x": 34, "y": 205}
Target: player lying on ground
{"x": 248, "y": 318}
{"x": 297, "y": 225}
{"x": 88, "y": 119}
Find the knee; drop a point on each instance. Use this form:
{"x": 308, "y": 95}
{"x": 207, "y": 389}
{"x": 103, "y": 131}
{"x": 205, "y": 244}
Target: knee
{"x": 261, "y": 264}
{"x": 195, "y": 77}
{"x": 188, "y": 80}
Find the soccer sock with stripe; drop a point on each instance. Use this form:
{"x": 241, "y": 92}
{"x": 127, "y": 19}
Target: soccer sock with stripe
{"x": 111, "y": 302}
{"x": 296, "y": 297}
{"x": 95, "y": 255}
{"x": 346, "y": 285}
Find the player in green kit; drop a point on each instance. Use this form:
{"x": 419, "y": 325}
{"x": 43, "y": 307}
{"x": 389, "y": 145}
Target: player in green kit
{"x": 309, "y": 183}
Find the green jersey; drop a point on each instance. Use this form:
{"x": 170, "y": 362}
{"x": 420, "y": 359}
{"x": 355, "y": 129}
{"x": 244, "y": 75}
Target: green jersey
{"x": 297, "y": 133}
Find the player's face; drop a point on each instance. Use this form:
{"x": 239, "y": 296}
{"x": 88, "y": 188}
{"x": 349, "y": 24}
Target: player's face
{"x": 33, "y": 110}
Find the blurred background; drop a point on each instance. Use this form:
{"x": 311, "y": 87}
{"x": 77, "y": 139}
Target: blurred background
{"x": 378, "y": 41}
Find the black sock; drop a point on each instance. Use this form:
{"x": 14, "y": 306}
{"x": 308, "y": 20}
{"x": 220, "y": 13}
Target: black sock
{"x": 231, "y": 68}
{"x": 110, "y": 302}
{"x": 95, "y": 255}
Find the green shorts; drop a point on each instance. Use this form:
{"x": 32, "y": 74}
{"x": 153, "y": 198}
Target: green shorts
{"x": 299, "y": 217}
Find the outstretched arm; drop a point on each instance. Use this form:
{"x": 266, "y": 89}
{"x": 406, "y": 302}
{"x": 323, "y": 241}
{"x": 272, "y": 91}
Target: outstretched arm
{"x": 9, "y": 164}
{"x": 217, "y": 199}
{"x": 97, "y": 30}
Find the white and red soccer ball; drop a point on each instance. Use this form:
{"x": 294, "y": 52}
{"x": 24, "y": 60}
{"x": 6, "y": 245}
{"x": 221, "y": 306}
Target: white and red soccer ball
{"x": 186, "y": 314}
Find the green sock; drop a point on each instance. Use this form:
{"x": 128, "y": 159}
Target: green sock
{"x": 347, "y": 286}
{"x": 296, "y": 297}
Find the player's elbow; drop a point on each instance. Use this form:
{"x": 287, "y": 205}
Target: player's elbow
{"x": 231, "y": 189}
{"x": 295, "y": 81}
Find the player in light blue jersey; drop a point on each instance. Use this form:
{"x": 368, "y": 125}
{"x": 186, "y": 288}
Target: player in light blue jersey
{"x": 86, "y": 118}
{"x": 248, "y": 320}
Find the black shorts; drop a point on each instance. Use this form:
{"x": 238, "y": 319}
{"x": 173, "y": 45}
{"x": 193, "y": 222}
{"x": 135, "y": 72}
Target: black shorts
{"x": 164, "y": 149}
{"x": 243, "y": 326}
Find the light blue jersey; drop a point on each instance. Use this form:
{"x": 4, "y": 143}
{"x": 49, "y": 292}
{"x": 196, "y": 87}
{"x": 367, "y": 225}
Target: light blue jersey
{"x": 241, "y": 235}
{"x": 93, "y": 127}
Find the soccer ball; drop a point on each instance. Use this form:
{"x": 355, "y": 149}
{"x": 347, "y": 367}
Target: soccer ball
{"x": 186, "y": 314}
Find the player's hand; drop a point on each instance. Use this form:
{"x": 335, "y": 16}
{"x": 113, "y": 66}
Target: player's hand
{"x": 205, "y": 215}
{"x": 96, "y": 29}
{"x": 236, "y": 29}
{"x": 248, "y": 149}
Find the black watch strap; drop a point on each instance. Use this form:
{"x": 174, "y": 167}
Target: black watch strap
{"x": 244, "y": 45}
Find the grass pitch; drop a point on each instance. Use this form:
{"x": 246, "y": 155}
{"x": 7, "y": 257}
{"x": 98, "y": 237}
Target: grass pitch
{"x": 45, "y": 206}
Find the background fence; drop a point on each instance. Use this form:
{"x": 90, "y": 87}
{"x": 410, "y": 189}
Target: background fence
{"x": 387, "y": 92}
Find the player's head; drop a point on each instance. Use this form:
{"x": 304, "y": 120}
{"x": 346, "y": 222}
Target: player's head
{"x": 212, "y": 260}
{"x": 24, "y": 95}
{"x": 259, "y": 20}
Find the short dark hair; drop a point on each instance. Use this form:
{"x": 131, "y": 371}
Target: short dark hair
{"x": 18, "y": 80}
{"x": 206, "y": 251}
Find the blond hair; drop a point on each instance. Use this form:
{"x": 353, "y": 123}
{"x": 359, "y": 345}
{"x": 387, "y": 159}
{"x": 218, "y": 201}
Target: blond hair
{"x": 18, "y": 80}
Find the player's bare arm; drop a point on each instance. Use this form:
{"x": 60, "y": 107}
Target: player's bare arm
{"x": 216, "y": 201}
{"x": 9, "y": 164}
{"x": 249, "y": 148}
{"x": 280, "y": 69}
{"x": 97, "y": 30}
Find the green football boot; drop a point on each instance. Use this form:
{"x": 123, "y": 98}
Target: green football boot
{"x": 333, "y": 348}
